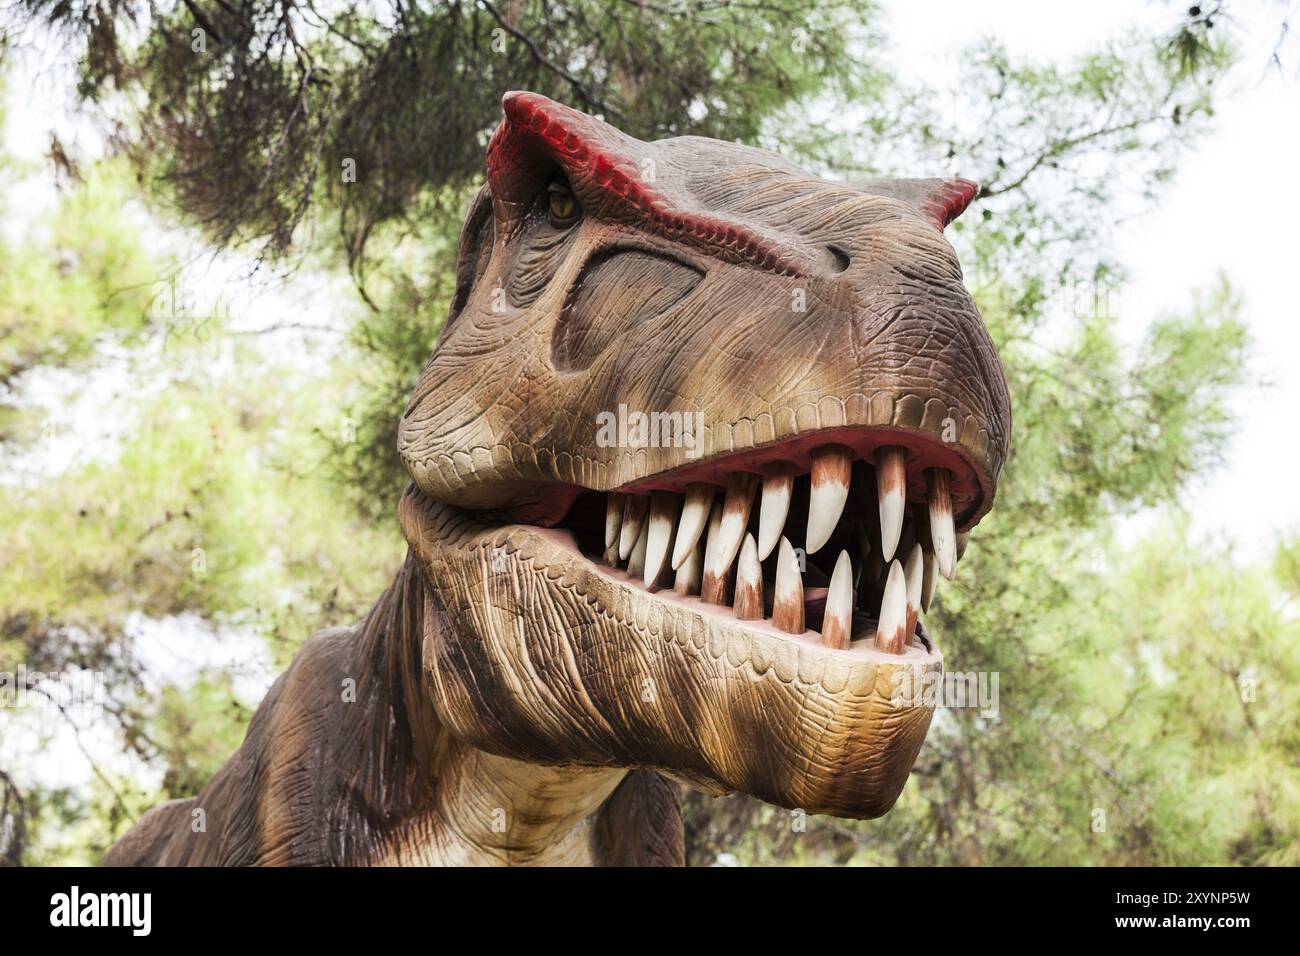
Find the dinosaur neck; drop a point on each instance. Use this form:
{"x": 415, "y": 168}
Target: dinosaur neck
{"x": 496, "y": 811}
{"x": 444, "y": 801}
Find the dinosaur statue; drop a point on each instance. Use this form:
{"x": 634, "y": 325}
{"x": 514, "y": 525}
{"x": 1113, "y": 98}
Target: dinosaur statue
{"x": 699, "y": 437}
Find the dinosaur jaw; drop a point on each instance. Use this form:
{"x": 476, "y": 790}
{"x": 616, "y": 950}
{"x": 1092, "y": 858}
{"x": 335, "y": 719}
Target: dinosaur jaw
{"x": 546, "y": 650}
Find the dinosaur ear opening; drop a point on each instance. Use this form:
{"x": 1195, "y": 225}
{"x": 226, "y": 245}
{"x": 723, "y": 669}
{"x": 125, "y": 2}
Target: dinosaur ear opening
{"x": 939, "y": 200}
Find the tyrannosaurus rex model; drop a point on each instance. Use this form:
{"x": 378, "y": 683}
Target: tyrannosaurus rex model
{"x": 699, "y": 436}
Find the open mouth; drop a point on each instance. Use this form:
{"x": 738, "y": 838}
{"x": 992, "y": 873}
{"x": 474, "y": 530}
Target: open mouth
{"x": 738, "y": 669}
{"x": 839, "y": 542}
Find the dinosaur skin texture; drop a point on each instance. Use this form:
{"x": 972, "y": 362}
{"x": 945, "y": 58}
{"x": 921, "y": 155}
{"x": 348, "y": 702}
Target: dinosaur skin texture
{"x": 519, "y": 700}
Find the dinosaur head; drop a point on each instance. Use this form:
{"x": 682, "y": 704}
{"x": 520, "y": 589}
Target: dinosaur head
{"x": 699, "y": 436}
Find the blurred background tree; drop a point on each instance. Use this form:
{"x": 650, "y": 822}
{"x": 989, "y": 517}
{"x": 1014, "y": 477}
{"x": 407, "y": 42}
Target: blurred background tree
{"x": 246, "y": 495}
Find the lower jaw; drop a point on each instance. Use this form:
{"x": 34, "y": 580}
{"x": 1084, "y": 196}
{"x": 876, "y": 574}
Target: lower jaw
{"x": 429, "y": 526}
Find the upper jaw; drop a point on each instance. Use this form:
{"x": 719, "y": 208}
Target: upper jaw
{"x": 514, "y": 475}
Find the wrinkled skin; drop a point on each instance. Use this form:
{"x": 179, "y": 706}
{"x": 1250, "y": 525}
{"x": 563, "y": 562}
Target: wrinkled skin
{"x": 516, "y": 701}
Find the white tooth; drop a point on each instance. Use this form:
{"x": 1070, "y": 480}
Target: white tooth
{"x": 832, "y": 466}
{"x": 837, "y": 624}
{"x": 893, "y": 612}
{"x": 938, "y": 491}
{"x": 778, "y": 482}
{"x": 688, "y": 575}
{"x": 634, "y": 509}
{"x": 735, "y": 516}
{"x": 929, "y": 580}
{"x": 636, "y": 560}
{"x": 787, "y": 598}
{"x": 695, "y": 515}
{"x": 663, "y": 515}
{"x": 748, "y": 603}
{"x": 891, "y": 486}
{"x": 713, "y": 587}
{"x": 613, "y": 517}
{"x": 913, "y": 574}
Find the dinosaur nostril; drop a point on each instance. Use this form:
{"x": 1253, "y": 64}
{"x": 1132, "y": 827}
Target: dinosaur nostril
{"x": 839, "y": 258}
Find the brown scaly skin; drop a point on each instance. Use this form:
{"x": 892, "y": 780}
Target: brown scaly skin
{"x": 516, "y": 699}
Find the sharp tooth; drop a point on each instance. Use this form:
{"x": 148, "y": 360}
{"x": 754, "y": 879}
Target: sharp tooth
{"x": 634, "y": 510}
{"x": 913, "y": 573}
{"x": 695, "y": 516}
{"x": 778, "y": 482}
{"x": 929, "y": 580}
{"x": 663, "y": 515}
{"x": 939, "y": 493}
{"x": 893, "y": 612}
{"x": 636, "y": 559}
{"x": 735, "y": 516}
{"x": 832, "y": 466}
{"x": 611, "y": 555}
{"x": 713, "y": 587}
{"x": 749, "y": 583}
{"x": 613, "y": 517}
{"x": 688, "y": 575}
{"x": 963, "y": 539}
{"x": 891, "y": 486}
{"x": 787, "y": 599}
{"x": 837, "y": 623}
{"x": 921, "y": 521}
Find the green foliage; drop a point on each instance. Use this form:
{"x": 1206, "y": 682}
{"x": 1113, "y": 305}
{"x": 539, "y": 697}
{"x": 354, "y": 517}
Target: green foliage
{"x": 66, "y": 290}
{"x": 195, "y": 508}
{"x": 76, "y": 826}
{"x": 1096, "y": 430}
{"x": 394, "y": 343}
{"x": 212, "y": 501}
{"x": 1286, "y": 566}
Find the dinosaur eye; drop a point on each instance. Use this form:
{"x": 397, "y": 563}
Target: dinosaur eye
{"x": 561, "y": 205}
